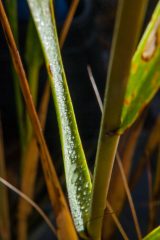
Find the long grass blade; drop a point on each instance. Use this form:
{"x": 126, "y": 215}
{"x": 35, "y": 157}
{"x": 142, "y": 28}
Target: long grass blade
{"x": 77, "y": 174}
{"x": 31, "y": 156}
{"x": 128, "y": 23}
{"x": 4, "y": 204}
{"x": 55, "y": 192}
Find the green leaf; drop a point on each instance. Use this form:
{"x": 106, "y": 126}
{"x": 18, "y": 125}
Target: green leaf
{"x": 76, "y": 170}
{"x": 144, "y": 80}
{"x": 154, "y": 235}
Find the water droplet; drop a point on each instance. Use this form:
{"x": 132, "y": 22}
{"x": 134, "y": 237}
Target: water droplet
{"x": 84, "y": 193}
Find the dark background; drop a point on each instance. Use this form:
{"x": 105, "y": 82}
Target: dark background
{"x": 88, "y": 42}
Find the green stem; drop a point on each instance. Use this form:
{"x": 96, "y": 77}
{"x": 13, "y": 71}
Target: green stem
{"x": 103, "y": 171}
{"x": 127, "y": 30}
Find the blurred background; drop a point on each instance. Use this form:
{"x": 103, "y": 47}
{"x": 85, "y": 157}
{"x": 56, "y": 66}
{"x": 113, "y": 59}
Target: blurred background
{"x": 88, "y": 43}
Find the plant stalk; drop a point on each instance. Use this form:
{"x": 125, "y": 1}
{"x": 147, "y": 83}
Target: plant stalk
{"x": 127, "y": 30}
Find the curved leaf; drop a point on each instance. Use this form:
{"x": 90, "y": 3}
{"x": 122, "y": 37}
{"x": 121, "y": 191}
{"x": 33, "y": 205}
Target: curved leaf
{"x": 77, "y": 174}
{"x": 144, "y": 80}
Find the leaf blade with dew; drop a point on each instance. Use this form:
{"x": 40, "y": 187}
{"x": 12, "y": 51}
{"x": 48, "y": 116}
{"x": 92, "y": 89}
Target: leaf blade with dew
{"x": 4, "y": 203}
{"x": 31, "y": 156}
{"x": 56, "y": 195}
{"x": 77, "y": 174}
{"x": 144, "y": 74}
{"x": 154, "y": 235}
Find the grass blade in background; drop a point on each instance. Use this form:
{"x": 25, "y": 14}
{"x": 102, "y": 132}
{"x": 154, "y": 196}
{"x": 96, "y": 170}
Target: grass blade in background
{"x": 145, "y": 73}
{"x": 154, "y": 235}
{"x": 12, "y": 11}
{"x": 4, "y": 204}
{"x": 56, "y": 195}
{"x": 31, "y": 157}
{"x": 127, "y": 30}
{"x": 34, "y": 59}
{"x": 77, "y": 174}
